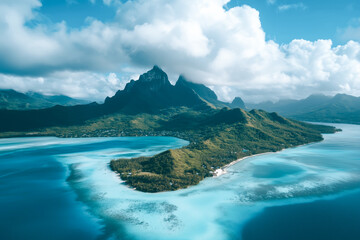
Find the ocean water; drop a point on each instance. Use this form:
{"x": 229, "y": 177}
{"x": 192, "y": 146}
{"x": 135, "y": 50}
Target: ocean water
{"x": 54, "y": 188}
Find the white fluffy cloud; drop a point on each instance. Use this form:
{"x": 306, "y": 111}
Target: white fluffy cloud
{"x": 84, "y": 85}
{"x": 225, "y": 49}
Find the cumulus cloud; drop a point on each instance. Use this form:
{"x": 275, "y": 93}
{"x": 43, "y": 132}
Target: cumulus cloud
{"x": 85, "y": 85}
{"x": 225, "y": 49}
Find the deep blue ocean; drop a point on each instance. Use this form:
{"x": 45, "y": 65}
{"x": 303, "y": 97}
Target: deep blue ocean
{"x": 52, "y": 188}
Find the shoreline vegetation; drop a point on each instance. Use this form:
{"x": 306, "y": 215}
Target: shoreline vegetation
{"x": 214, "y": 146}
{"x": 218, "y": 132}
{"x": 222, "y": 170}
{"x": 217, "y": 138}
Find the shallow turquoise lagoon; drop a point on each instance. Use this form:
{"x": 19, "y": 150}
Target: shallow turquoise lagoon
{"x": 53, "y": 188}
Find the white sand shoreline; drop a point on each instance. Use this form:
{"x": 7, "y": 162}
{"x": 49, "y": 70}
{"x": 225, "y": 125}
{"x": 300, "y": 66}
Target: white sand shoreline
{"x": 222, "y": 170}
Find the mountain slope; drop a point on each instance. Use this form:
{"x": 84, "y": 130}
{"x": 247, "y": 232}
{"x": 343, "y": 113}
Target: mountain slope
{"x": 341, "y": 108}
{"x": 150, "y": 94}
{"x": 13, "y": 100}
{"x": 238, "y": 103}
{"x": 151, "y": 106}
{"x": 205, "y": 93}
{"x": 57, "y": 99}
{"x": 217, "y": 137}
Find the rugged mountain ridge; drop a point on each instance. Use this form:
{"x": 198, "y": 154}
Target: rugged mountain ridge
{"x": 152, "y": 106}
{"x": 152, "y": 92}
{"x": 341, "y": 108}
{"x": 13, "y": 100}
{"x": 238, "y": 103}
{"x": 209, "y": 95}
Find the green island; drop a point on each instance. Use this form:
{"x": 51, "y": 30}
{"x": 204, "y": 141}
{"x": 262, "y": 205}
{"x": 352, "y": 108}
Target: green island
{"x": 216, "y": 138}
{"x": 218, "y": 133}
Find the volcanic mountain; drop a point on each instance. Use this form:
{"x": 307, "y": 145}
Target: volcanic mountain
{"x": 151, "y": 93}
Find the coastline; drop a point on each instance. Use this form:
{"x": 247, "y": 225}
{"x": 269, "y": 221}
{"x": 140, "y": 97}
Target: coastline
{"x": 157, "y": 173}
{"x": 221, "y": 171}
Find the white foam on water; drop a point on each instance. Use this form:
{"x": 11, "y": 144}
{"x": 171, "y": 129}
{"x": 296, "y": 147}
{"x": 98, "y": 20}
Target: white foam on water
{"x": 217, "y": 207}
{"x": 199, "y": 212}
{"x": 36, "y": 142}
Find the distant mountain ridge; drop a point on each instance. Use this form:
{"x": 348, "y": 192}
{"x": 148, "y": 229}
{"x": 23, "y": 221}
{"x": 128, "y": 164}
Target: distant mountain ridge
{"x": 151, "y": 93}
{"x": 341, "y": 108}
{"x": 13, "y": 100}
{"x": 152, "y": 106}
{"x": 238, "y": 103}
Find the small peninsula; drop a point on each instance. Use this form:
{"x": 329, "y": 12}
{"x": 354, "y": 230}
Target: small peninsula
{"x": 218, "y": 132}
{"x": 217, "y": 138}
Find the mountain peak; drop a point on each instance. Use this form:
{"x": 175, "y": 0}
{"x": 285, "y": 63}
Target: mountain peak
{"x": 317, "y": 96}
{"x": 155, "y": 74}
{"x": 156, "y": 68}
{"x": 343, "y": 95}
{"x": 202, "y": 90}
{"x": 182, "y": 80}
{"x": 152, "y": 92}
{"x": 238, "y": 103}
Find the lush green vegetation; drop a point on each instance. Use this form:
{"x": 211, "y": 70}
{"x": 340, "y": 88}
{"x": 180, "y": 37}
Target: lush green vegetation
{"x": 217, "y": 137}
{"x": 13, "y": 100}
{"x": 152, "y": 106}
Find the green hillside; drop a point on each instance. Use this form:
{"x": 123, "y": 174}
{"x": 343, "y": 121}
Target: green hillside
{"x": 152, "y": 106}
{"x": 13, "y": 100}
{"x": 216, "y": 139}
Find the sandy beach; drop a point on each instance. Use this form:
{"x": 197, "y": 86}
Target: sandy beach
{"x": 222, "y": 171}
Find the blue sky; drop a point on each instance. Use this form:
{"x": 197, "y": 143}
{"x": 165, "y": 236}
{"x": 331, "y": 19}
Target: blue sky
{"x": 255, "y": 49}
{"x": 285, "y": 20}
{"x": 282, "y": 20}
{"x": 75, "y": 12}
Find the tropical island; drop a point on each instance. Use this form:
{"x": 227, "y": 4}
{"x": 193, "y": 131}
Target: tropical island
{"x": 218, "y": 132}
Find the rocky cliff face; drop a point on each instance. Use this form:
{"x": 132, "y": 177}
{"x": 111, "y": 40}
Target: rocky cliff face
{"x": 203, "y": 91}
{"x": 152, "y": 92}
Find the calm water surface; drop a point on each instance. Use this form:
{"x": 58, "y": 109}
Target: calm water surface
{"x": 54, "y": 188}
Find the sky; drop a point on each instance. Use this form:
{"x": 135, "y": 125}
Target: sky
{"x": 256, "y": 49}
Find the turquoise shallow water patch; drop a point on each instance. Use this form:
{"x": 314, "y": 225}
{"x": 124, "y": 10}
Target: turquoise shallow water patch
{"x": 224, "y": 207}
{"x": 275, "y": 170}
